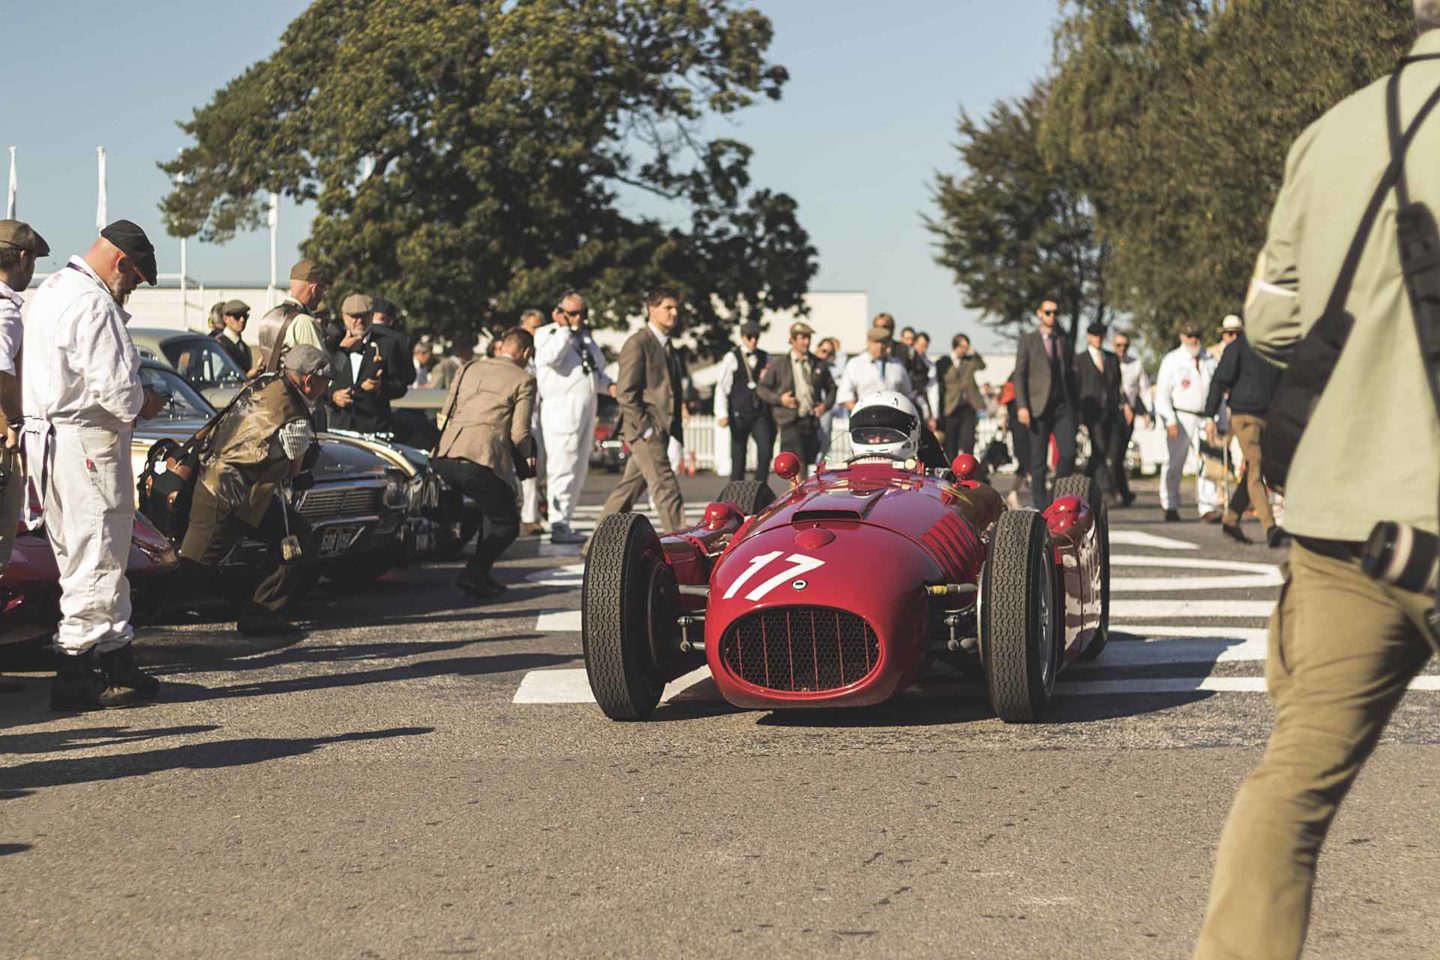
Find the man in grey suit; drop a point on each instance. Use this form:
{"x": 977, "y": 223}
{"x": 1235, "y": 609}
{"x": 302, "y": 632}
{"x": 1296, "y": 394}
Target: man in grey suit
{"x": 1045, "y": 399}
{"x": 648, "y": 389}
{"x": 959, "y": 400}
{"x": 799, "y": 389}
{"x": 486, "y": 428}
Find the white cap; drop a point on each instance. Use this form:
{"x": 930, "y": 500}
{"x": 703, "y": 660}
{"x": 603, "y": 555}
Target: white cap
{"x": 1232, "y": 322}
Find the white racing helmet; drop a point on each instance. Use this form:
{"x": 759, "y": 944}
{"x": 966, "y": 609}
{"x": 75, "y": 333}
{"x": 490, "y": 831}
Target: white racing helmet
{"x": 885, "y": 424}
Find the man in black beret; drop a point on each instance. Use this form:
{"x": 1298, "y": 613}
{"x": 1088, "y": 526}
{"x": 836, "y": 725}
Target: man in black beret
{"x": 1097, "y": 378}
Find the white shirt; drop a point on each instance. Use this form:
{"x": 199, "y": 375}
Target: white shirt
{"x": 558, "y": 368}
{"x": 12, "y": 331}
{"x": 1134, "y": 381}
{"x": 1183, "y": 384}
{"x": 729, "y": 369}
{"x": 865, "y": 375}
{"x": 81, "y": 366}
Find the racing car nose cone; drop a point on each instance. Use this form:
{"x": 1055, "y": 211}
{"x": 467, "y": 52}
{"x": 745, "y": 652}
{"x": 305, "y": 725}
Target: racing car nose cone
{"x": 813, "y": 539}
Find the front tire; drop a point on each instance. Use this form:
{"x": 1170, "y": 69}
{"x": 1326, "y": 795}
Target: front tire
{"x": 1086, "y": 489}
{"x": 747, "y": 496}
{"x": 1020, "y": 617}
{"x": 629, "y": 606}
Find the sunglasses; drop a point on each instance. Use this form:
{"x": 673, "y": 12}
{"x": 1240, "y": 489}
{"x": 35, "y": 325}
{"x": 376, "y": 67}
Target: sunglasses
{"x": 575, "y": 314}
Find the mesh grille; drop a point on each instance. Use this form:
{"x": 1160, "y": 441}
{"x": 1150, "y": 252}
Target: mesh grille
{"x": 340, "y": 502}
{"x": 800, "y": 649}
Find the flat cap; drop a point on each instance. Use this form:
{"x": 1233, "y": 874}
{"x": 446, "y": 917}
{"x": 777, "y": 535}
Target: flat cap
{"x": 21, "y": 236}
{"x": 879, "y": 335}
{"x": 311, "y": 272}
{"x": 800, "y": 327}
{"x": 749, "y": 329}
{"x": 1097, "y": 329}
{"x": 357, "y": 304}
{"x": 1232, "y": 322}
{"x": 132, "y": 241}
{"x": 1190, "y": 329}
{"x": 236, "y": 308}
{"x": 306, "y": 360}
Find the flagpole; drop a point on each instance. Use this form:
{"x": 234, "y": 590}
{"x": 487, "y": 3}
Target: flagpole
{"x": 274, "y": 230}
{"x": 11, "y": 191}
{"x": 100, "y": 219}
{"x": 184, "y": 268}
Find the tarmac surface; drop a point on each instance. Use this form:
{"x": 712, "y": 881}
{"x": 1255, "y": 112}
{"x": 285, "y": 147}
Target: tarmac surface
{"x": 420, "y": 777}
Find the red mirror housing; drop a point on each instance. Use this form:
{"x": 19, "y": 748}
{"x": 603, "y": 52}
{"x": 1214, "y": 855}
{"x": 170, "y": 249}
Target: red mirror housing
{"x": 965, "y": 467}
{"x": 787, "y": 466}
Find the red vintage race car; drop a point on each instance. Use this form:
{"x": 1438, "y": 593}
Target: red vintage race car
{"x": 845, "y": 589}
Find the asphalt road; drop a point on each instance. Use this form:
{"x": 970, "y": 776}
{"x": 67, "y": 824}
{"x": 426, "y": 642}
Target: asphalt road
{"x": 376, "y": 790}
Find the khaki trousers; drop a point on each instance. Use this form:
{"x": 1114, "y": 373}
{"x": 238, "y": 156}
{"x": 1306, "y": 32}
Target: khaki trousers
{"x": 1247, "y": 430}
{"x": 1342, "y": 651}
{"x": 649, "y": 464}
{"x": 11, "y": 499}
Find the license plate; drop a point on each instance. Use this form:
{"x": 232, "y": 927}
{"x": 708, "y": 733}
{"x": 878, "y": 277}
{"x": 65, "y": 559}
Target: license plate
{"x": 336, "y": 540}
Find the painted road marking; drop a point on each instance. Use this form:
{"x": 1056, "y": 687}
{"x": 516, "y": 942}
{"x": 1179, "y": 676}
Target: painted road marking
{"x": 1139, "y": 538}
{"x": 1253, "y": 576}
{"x": 569, "y": 686}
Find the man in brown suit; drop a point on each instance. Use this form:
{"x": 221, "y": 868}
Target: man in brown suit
{"x": 1045, "y": 399}
{"x": 960, "y": 398}
{"x": 487, "y": 427}
{"x": 648, "y": 389}
{"x": 799, "y": 389}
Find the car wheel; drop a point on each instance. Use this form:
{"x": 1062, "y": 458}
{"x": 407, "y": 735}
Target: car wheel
{"x": 747, "y": 496}
{"x": 1020, "y": 615}
{"x": 1087, "y": 490}
{"x": 629, "y": 605}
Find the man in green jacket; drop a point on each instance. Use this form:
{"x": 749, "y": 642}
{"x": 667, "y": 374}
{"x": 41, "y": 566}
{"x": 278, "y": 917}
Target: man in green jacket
{"x": 1343, "y": 648}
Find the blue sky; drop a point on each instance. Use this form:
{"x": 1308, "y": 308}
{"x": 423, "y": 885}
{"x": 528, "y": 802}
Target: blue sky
{"x": 867, "y": 118}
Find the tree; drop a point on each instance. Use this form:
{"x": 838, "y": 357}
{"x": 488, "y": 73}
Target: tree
{"x": 1015, "y": 228}
{"x": 511, "y": 143}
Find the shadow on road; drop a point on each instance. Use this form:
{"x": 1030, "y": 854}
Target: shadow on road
{"x": 8, "y": 848}
{"x": 54, "y": 741}
{"x": 194, "y": 756}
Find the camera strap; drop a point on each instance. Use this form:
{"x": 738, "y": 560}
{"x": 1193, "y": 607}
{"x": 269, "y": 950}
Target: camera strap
{"x": 1318, "y": 353}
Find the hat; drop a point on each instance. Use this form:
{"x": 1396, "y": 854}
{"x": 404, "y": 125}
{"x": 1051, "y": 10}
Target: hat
{"x": 236, "y": 308}
{"x": 357, "y": 304}
{"x": 1097, "y": 329}
{"x": 464, "y": 340}
{"x": 311, "y": 272}
{"x": 749, "y": 329}
{"x": 1190, "y": 330}
{"x": 1232, "y": 322}
{"x": 306, "y": 360}
{"x": 134, "y": 244}
{"x": 800, "y": 327}
{"x": 879, "y": 335}
{"x": 22, "y": 236}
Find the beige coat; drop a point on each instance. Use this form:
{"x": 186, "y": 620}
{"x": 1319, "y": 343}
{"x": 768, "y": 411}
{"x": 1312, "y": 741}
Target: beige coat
{"x": 487, "y": 410}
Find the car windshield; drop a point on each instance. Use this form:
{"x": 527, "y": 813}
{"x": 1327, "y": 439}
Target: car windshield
{"x": 202, "y": 361}
{"x": 183, "y": 402}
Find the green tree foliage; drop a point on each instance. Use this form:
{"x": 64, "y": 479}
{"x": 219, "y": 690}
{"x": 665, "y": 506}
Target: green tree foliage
{"x": 1172, "y": 120}
{"x": 1016, "y": 228}
{"x": 512, "y": 144}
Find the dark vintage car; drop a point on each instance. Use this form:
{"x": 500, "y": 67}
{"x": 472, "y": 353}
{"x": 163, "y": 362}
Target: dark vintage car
{"x": 608, "y": 451}
{"x": 356, "y": 507}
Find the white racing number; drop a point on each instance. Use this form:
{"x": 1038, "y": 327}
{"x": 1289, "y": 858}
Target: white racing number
{"x": 799, "y": 565}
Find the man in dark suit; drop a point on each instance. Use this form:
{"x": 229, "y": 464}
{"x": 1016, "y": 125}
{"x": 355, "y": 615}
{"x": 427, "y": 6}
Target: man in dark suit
{"x": 383, "y": 326}
{"x": 367, "y": 372}
{"x": 799, "y": 389}
{"x": 960, "y": 398}
{"x": 738, "y": 408}
{"x": 487, "y": 426}
{"x": 1097, "y": 381}
{"x": 1045, "y": 399}
{"x": 650, "y": 395}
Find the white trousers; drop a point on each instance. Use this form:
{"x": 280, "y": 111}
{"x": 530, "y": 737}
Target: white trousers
{"x": 1180, "y": 451}
{"x": 568, "y": 423}
{"x": 89, "y": 518}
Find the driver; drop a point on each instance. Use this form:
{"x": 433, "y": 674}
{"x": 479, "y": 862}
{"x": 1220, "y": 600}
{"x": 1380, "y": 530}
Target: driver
{"x": 886, "y": 424}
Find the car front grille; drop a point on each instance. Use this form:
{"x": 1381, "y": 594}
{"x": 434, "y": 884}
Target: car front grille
{"x": 318, "y": 505}
{"x": 800, "y": 649}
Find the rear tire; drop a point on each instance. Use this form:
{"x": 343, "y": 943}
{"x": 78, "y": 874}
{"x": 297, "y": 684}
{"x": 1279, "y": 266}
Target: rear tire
{"x": 1087, "y": 490}
{"x": 747, "y": 496}
{"x": 1020, "y": 617}
{"x": 629, "y": 606}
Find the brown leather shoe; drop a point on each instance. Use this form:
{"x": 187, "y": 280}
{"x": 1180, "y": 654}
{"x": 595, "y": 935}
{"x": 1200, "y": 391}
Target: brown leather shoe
{"x": 530, "y": 529}
{"x": 1214, "y": 516}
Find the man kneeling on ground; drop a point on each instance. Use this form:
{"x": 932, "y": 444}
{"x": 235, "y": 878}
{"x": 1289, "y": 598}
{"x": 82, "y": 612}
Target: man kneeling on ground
{"x": 258, "y": 444}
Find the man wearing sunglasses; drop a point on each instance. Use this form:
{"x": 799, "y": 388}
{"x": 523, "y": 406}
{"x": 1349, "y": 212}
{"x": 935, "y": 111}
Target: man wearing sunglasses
{"x": 82, "y": 393}
{"x": 739, "y": 408}
{"x": 1045, "y": 399}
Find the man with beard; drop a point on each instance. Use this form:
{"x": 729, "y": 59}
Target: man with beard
{"x": 292, "y": 320}
{"x": 82, "y": 393}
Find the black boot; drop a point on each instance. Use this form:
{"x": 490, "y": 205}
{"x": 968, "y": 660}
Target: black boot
{"x": 78, "y": 683}
{"x": 125, "y": 682}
